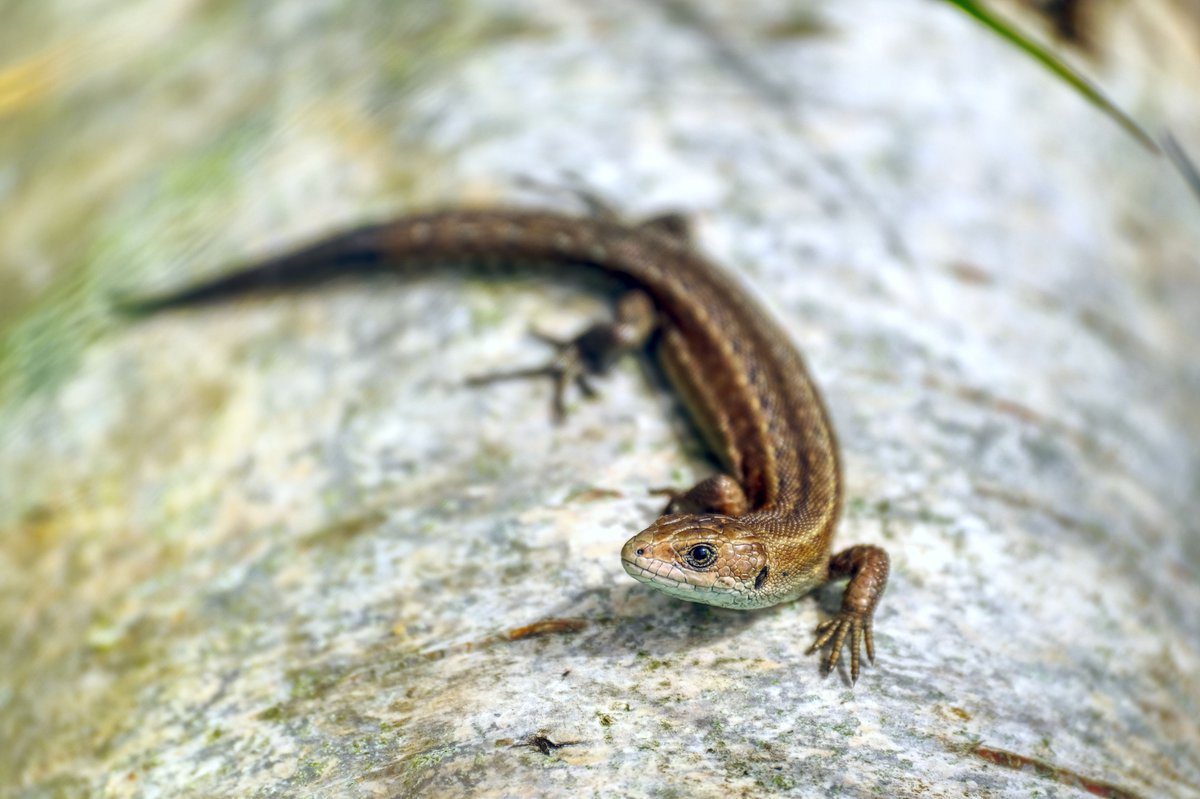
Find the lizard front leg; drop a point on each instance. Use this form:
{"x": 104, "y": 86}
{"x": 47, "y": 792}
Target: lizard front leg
{"x": 719, "y": 493}
{"x": 867, "y": 567}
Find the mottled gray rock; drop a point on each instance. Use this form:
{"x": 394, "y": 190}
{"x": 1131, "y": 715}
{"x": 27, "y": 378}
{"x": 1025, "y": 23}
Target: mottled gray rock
{"x": 278, "y": 548}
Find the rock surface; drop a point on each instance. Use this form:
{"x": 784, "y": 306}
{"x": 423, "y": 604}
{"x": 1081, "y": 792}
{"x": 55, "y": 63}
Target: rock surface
{"x": 278, "y": 548}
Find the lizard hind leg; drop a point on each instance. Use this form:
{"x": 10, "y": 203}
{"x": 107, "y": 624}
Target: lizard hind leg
{"x": 674, "y": 226}
{"x": 589, "y": 353}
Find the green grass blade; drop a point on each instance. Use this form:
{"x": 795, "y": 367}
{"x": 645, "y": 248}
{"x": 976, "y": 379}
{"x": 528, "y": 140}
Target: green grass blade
{"x": 1059, "y": 68}
{"x": 1186, "y": 167}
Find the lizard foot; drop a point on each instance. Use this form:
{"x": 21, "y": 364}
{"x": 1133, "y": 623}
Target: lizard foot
{"x": 567, "y": 367}
{"x": 589, "y": 353}
{"x": 867, "y": 567}
{"x": 847, "y": 626}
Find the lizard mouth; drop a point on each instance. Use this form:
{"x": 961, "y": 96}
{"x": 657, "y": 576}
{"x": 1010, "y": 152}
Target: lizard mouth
{"x": 656, "y": 573}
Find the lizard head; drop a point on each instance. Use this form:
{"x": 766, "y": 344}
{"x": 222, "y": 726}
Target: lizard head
{"x": 710, "y": 559}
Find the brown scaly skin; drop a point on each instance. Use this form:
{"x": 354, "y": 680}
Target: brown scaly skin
{"x": 759, "y": 534}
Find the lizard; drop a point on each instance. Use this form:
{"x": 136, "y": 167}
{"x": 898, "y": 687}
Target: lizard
{"x": 756, "y": 534}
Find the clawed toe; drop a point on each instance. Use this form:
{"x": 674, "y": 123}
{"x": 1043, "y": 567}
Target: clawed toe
{"x": 837, "y": 632}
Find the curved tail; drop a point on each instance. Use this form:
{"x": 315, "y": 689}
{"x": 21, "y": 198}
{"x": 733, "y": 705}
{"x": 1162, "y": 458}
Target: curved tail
{"x": 356, "y": 252}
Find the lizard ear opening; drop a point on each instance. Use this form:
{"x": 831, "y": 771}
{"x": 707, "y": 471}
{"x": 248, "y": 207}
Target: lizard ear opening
{"x": 761, "y": 578}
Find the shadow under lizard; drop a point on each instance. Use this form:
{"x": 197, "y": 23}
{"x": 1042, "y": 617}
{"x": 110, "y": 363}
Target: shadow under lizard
{"x": 755, "y": 535}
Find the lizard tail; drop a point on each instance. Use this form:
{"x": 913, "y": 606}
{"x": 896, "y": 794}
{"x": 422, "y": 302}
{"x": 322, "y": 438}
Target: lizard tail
{"x": 356, "y": 252}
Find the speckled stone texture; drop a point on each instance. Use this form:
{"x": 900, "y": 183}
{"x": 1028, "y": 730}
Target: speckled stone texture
{"x": 279, "y": 548}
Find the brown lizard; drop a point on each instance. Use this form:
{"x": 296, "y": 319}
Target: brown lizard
{"x": 755, "y": 535}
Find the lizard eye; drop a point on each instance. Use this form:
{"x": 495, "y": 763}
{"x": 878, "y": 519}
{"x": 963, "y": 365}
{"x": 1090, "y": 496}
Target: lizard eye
{"x": 700, "y": 556}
